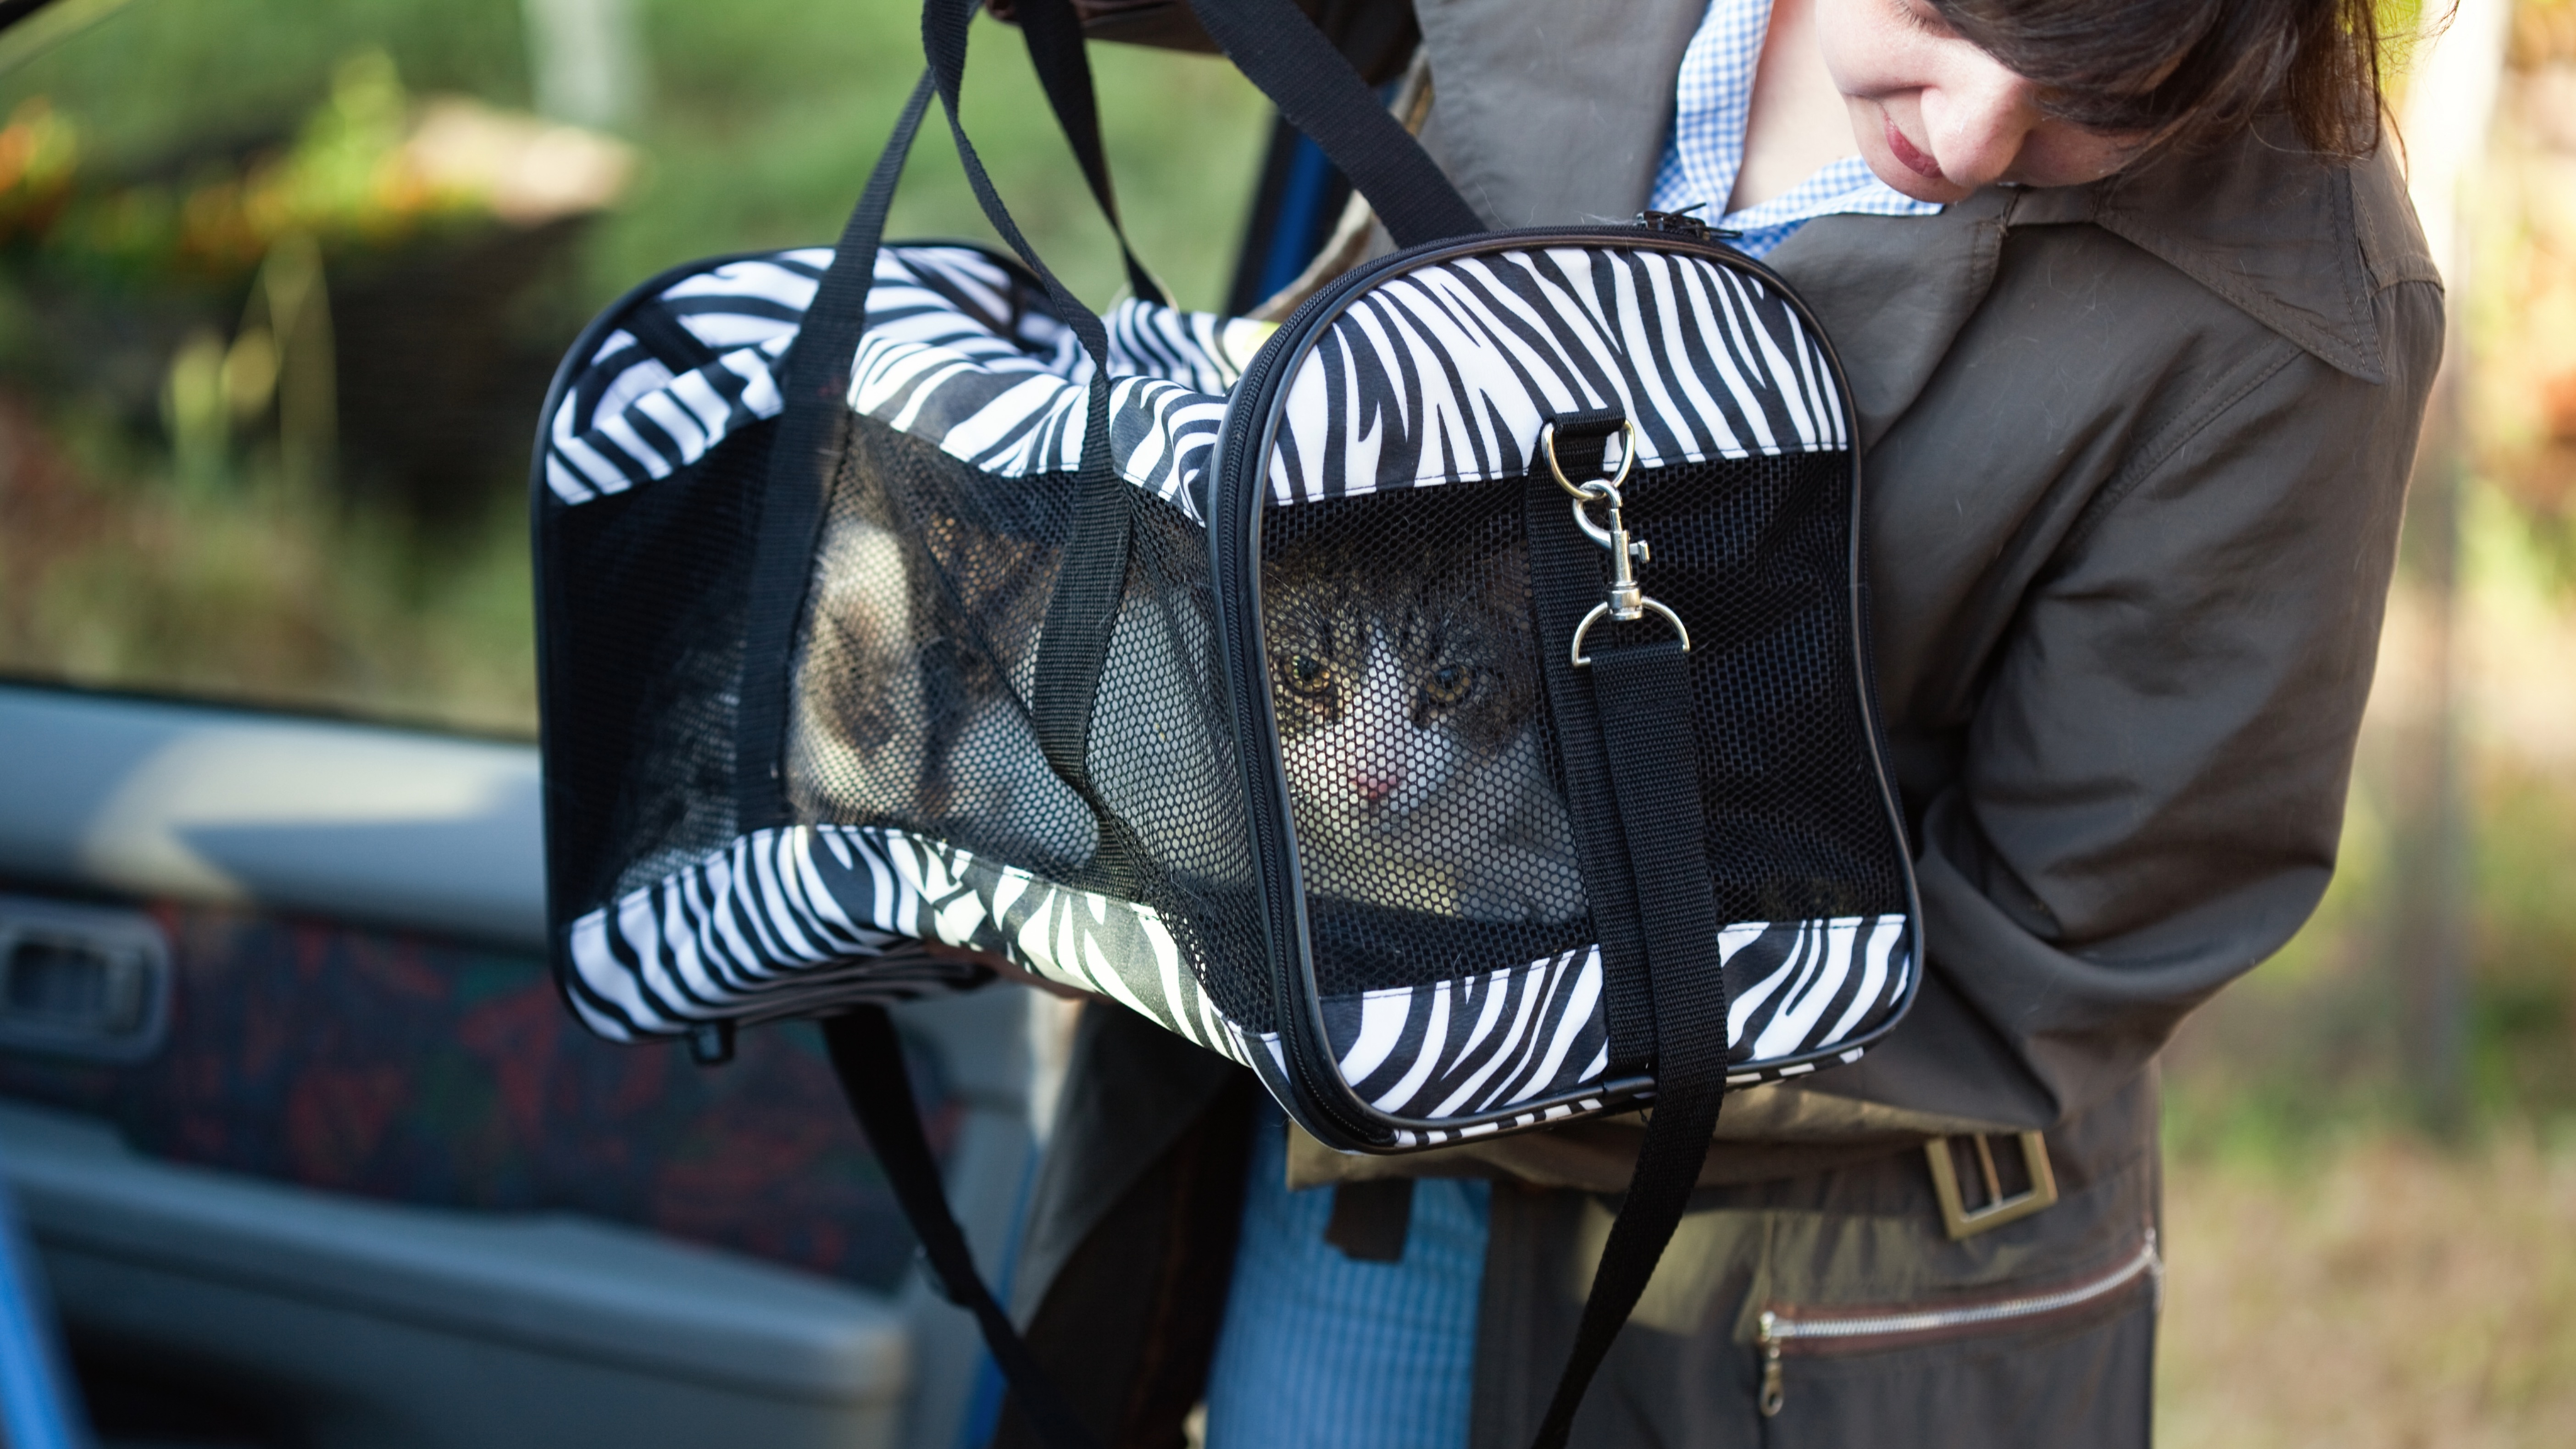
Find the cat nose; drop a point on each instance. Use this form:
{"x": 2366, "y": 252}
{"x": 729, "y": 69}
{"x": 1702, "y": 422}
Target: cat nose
{"x": 1375, "y": 787}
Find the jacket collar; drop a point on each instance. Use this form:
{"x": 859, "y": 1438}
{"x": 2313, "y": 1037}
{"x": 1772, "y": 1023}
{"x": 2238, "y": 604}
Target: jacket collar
{"x": 2299, "y": 246}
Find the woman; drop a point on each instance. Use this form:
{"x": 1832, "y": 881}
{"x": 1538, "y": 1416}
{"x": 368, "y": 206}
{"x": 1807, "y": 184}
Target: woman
{"x": 2141, "y": 330}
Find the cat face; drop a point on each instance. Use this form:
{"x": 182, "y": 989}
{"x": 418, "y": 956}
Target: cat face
{"x": 1386, "y": 693}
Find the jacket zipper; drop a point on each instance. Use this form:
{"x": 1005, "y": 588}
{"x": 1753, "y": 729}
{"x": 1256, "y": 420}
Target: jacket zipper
{"x": 1234, "y": 507}
{"x": 1778, "y": 1328}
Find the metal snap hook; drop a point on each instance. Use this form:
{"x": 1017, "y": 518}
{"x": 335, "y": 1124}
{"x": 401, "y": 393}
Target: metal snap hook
{"x": 1601, "y": 492}
{"x": 1627, "y": 602}
{"x": 1603, "y": 610}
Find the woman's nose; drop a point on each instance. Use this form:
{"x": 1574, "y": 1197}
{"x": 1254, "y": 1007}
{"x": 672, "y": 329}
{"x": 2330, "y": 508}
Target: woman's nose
{"x": 1978, "y": 118}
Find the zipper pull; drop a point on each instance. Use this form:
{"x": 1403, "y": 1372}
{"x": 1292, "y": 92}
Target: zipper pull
{"x": 1680, "y": 221}
{"x": 1767, "y": 1337}
{"x": 1684, "y": 223}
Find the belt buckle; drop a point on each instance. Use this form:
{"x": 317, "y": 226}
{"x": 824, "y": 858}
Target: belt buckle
{"x": 1963, "y": 1221}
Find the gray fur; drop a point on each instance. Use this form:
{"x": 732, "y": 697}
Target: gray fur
{"x": 1408, "y": 711}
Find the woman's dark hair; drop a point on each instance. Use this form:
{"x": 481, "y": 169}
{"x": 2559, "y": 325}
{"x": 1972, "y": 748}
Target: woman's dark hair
{"x": 2188, "y": 71}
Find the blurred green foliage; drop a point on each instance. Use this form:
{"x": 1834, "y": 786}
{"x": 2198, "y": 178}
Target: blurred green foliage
{"x": 155, "y": 529}
{"x": 158, "y": 84}
{"x": 760, "y": 121}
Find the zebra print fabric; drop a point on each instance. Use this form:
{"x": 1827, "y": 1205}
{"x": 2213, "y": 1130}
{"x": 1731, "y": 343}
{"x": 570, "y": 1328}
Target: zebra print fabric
{"x": 691, "y": 365}
{"x": 958, "y": 350}
{"x": 1446, "y": 373}
{"x": 1441, "y": 375}
{"x": 1464, "y": 1049}
{"x": 789, "y": 919}
{"x": 787, "y": 915}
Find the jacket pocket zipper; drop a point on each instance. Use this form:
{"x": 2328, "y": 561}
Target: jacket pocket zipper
{"x": 1829, "y": 1331}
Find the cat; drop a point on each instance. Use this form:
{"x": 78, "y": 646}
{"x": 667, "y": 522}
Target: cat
{"x": 1408, "y": 704}
{"x": 903, "y": 719}
{"x": 913, "y": 690}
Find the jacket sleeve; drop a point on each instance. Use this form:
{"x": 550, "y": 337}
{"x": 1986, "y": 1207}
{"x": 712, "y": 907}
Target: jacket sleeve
{"x": 2152, "y": 781}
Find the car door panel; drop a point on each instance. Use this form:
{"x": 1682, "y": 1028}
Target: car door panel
{"x": 354, "y": 1159}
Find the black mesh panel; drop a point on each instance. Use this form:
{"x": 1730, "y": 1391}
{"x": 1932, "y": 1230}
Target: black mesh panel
{"x": 912, "y": 696}
{"x": 1430, "y": 821}
{"x": 639, "y": 717}
{"x": 1426, "y": 795}
{"x": 1754, "y": 555}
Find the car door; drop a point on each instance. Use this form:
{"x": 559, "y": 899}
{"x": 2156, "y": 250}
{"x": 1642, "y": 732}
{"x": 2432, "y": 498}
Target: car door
{"x": 313, "y": 1155}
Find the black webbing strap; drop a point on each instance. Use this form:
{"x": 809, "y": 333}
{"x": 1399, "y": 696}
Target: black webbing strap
{"x": 813, "y": 383}
{"x": 1638, "y": 741}
{"x": 1565, "y": 582}
{"x": 1279, "y": 50}
{"x": 867, "y": 1055}
{"x": 944, "y": 28}
{"x": 1073, "y": 648}
{"x": 1644, "y": 696}
{"x": 1082, "y": 614}
{"x": 1054, "y": 36}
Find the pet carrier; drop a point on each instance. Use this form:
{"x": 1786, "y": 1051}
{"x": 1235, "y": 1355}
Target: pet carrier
{"x": 1453, "y": 704}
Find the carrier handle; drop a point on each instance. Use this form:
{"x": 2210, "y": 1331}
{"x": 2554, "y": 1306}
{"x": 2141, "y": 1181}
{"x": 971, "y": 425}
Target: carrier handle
{"x": 867, "y": 1055}
{"x": 1318, "y": 91}
{"x": 944, "y": 27}
{"x": 1091, "y": 579}
{"x": 815, "y": 382}
{"x": 1054, "y": 35}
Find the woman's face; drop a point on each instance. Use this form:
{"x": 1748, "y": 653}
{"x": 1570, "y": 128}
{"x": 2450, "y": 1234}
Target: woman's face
{"x": 1937, "y": 118}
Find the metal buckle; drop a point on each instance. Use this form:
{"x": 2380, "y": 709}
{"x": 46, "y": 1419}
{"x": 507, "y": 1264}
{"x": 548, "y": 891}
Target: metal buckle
{"x": 1963, "y": 1221}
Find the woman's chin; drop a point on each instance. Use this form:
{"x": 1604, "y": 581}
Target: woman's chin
{"x": 1939, "y": 190}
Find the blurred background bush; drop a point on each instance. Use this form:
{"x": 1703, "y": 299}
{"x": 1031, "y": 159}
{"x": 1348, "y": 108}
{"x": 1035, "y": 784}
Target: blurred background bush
{"x": 281, "y": 283}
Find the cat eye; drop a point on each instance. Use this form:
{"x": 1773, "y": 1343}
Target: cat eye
{"x": 1309, "y": 675}
{"x": 1449, "y": 683}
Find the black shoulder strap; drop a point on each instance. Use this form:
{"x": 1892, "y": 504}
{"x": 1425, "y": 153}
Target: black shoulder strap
{"x": 867, "y": 1055}
{"x": 1644, "y": 700}
{"x": 1625, "y": 722}
{"x": 1280, "y": 50}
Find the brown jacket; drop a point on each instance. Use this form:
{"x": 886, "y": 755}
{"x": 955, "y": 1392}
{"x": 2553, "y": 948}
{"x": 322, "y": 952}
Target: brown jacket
{"x": 2135, "y": 454}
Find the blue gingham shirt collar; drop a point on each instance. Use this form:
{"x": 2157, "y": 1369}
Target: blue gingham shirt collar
{"x": 1707, "y": 146}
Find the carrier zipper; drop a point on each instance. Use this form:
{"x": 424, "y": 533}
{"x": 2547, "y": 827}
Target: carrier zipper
{"x": 1778, "y": 1328}
{"x": 1234, "y": 497}
{"x": 1234, "y": 556}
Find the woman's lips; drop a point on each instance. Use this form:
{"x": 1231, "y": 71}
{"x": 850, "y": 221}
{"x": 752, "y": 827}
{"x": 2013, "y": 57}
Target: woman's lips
{"x": 1909, "y": 158}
